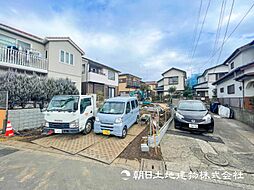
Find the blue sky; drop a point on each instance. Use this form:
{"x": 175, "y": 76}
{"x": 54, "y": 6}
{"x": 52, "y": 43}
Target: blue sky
{"x": 142, "y": 37}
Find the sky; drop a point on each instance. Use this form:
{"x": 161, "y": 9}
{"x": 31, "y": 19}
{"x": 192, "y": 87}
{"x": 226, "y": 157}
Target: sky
{"x": 141, "y": 37}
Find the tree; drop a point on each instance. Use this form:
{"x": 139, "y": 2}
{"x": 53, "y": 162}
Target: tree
{"x": 172, "y": 90}
{"x": 23, "y": 89}
{"x": 187, "y": 93}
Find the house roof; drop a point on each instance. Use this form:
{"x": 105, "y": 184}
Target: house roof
{"x": 173, "y": 68}
{"x": 38, "y": 39}
{"x": 21, "y": 33}
{"x": 238, "y": 50}
{"x": 126, "y": 74}
{"x": 47, "y": 39}
{"x": 245, "y": 76}
{"x": 94, "y": 62}
{"x": 241, "y": 68}
{"x": 151, "y": 82}
{"x": 160, "y": 80}
{"x": 205, "y": 71}
{"x": 200, "y": 84}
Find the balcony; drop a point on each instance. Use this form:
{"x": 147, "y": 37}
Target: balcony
{"x": 101, "y": 78}
{"x": 20, "y": 60}
{"x": 133, "y": 84}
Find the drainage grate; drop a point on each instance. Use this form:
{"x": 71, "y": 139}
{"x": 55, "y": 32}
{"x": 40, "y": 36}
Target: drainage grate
{"x": 155, "y": 166}
{"x": 6, "y": 151}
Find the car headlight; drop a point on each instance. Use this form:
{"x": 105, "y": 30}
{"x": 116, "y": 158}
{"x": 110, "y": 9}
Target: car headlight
{"x": 74, "y": 124}
{"x": 46, "y": 124}
{"x": 207, "y": 118}
{"x": 97, "y": 119}
{"x": 119, "y": 120}
{"x": 179, "y": 116}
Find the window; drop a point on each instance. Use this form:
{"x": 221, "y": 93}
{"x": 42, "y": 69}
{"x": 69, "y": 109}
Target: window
{"x": 7, "y": 41}
{"x": 46, "y": 54}
{"x": 84, "y": 103}
{"x": 232, "y": 65}
{"x": 136, "y": 103}
{"x": 71, "y": 59}
{"x": 173, "y": 80}
{"x": 133, "y": 105}
{"x": 67, "y": 57}
{"x": 231, "y": 89}
{"x": 111, "y": 75}
{"x": 23, "y": 45}
{"x": 122, "y": 80}
{"x": 221, "y": 90}
{"x": 62, "y": 56}
{"x": 128, "y": 107}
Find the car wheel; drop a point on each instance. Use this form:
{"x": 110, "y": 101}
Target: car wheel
{"x": 88, "y": 127}
{"x": 124, "y": 132}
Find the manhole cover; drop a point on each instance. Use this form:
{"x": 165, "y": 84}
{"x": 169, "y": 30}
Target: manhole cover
{"x": 6, "y": 151}
{"x": 216, "y": 159}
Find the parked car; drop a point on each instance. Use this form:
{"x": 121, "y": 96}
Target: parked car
{"x": 70, "y": 114}
{"x": 116, "y": 116}
{"x": 192, "y": 115}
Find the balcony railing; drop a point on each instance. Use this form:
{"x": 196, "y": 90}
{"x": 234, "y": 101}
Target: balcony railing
{"x": 12, "y": 56}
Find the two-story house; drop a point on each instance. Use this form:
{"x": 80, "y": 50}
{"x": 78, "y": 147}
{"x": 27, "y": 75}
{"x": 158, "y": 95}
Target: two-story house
{"x": 128, "y": 83}
{"x": 204, "y": 87}
{"x": 99, "y": 78}
{"x": 173, "y": 77}
{"x": 236, "y": 88}
{"x": 54, "y": 57}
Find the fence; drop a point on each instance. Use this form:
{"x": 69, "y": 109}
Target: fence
{"x": 26, "y": 118}
{"x": 3, "y": 109}
{"x": 232, "y": 102}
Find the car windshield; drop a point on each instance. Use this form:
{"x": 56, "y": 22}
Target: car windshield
{"x": 191, "y": 106}
{"x": 62, "y": 103}
{"x": 112, "y": 108}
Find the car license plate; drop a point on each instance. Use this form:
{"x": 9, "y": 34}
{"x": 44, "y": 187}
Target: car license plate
{"x": 105, "y": 132}
{"x": 193, "y": 126}
{"x": 58, "y": 130}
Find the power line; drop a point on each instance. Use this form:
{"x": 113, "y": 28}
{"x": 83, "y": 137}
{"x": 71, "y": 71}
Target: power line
{"x": 226, "y": 31}
{"x": 219, "y": 26}
{"x": 201, "y": 29}
{"x": 230, "y": 34}
{"x": 196, "y": 27}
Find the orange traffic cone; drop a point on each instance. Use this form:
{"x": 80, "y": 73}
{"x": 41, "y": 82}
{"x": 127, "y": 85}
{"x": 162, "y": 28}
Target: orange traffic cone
{"x": 9, "y": 131}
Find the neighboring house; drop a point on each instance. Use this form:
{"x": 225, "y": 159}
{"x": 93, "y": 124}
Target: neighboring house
{"x": 54, "y": 57}
{"x": 236, "y": 88}
{"x": 152, "y": 85}
{"x": 98, "y": 78}
{"x": 204, "y": 88}
{"x": 172, "y": 77}
{"x": 128, "y": 83}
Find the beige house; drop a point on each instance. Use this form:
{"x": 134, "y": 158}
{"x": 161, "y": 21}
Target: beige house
{"x": 172, "y": 77}
{"x": 99, "y": 78}
{"x": 128, "y": 83}
{"x": 55, "y": 57}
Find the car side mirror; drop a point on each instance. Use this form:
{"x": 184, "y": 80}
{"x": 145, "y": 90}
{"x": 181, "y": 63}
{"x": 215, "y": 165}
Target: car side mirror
{"x": 75, "y": 106}
{"x": 128, "y": 110}
{"x": 175, "y": 108}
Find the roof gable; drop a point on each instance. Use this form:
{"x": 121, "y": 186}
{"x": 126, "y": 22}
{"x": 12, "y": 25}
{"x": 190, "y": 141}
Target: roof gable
{"x": 173, "y": 68}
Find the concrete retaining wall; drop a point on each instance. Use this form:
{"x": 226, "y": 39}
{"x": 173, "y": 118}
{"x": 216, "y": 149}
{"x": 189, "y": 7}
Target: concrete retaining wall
{"x": 25, "y": 118}
{"x": 244, "y": 116}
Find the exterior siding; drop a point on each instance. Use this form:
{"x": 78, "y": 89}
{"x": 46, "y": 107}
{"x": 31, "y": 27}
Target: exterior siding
{"x": 63, "y": 70}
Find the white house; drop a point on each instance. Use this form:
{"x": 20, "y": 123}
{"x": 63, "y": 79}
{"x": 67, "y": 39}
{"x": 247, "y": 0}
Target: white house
{"x": 172, "y": 77}
{"x": 237, "y": 87}
{"x": 204, "y": 88}
{"x": 54, "y": 57}
{"x": 97, "y": 77}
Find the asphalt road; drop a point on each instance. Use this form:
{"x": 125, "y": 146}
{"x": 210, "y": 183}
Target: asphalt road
{"x": 27, "y": 169}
